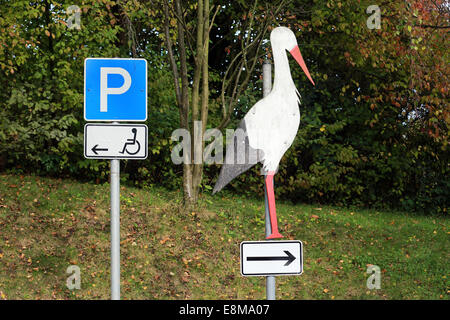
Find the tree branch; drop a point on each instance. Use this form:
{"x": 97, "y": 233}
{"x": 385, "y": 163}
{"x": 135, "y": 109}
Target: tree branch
{"x": 173, "y": 63}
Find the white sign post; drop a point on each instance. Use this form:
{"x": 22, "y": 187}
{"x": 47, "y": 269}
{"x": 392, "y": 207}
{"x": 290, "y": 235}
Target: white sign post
{"x": 115, "y": 141}
{"x": 271, "y": 258}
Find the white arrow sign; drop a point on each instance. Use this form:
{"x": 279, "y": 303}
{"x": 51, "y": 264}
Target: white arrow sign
{"x": 271, "y": 258}
{"x": 115, "y": 141}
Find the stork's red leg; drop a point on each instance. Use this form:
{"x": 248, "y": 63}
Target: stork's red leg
{"x": 272, "y": 210}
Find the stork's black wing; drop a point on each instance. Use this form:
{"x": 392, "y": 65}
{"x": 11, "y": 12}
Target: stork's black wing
{"x": 239, "y": 157}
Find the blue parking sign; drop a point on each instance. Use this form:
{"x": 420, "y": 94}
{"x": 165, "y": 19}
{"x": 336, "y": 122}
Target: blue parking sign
{"x": 115, "y": 89}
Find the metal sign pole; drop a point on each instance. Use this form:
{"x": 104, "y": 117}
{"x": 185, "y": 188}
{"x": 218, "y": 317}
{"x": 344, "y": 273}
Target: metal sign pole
{"x": 267, "y": 87}
{"x": 115, "y": 229}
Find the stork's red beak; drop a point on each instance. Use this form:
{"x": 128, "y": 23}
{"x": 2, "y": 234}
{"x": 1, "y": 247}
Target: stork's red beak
{"x": 298, "y": 57}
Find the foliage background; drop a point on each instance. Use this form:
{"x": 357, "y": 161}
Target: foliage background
{"x": 374, "y": 129}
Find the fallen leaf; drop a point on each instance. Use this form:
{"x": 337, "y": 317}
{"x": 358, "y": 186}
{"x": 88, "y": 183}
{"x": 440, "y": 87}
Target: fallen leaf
{"x": 164, "y": 240}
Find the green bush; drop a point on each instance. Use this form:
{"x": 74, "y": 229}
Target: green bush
{"x": 355, "y": 146}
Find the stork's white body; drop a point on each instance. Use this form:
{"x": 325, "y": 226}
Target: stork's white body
{"x": 272, "y": 123}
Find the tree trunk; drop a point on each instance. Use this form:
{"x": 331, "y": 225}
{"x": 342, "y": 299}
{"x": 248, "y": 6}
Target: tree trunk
{"x": 193, "y": 167}
{"x": 234, "y": 82}
{"x": 203, "y": 38}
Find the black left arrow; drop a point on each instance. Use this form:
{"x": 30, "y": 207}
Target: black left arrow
{"x": 95, "y": 149}
{"x": 289, "y": 257}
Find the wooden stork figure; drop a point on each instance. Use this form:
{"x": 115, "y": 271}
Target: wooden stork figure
{"x": 271, "y": 124}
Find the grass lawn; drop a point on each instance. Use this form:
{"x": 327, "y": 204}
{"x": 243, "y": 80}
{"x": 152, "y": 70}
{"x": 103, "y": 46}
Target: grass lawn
{"x": 47, "y": 224}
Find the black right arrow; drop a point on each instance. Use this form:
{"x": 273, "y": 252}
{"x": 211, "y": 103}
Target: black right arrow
{"x": 289, "y": 257}
{"x": 95, "y": 149}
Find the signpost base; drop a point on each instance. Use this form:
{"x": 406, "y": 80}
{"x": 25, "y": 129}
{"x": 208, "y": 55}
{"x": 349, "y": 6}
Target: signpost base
{"x": 270, "y": 288}
{"x": 115, "y": 229}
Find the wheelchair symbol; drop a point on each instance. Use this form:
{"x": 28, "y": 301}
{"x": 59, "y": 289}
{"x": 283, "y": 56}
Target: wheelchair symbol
{"x": 131, "y": 142}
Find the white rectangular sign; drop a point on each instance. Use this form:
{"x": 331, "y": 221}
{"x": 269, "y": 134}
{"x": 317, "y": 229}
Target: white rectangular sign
{"x": 271, "y": 258}
{"x": 115, "y": 141}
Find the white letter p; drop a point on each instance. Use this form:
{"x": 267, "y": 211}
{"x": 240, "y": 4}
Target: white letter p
{"x": 104, "y": 90}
